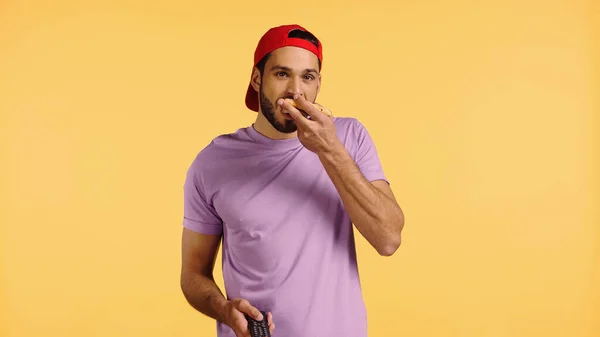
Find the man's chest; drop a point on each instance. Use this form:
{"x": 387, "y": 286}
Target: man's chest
{"x": 270, "y": 192}
{"x": 273, "y": 212}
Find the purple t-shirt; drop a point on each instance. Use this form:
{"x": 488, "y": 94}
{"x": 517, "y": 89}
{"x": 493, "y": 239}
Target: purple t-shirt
{"x": 288, "y": 244}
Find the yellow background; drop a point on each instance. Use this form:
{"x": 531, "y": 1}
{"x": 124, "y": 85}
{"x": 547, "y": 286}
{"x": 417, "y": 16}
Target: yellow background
{"x": 485, "y": 114}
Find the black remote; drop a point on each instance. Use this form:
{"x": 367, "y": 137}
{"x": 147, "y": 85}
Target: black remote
{"x": 258, "y": 328}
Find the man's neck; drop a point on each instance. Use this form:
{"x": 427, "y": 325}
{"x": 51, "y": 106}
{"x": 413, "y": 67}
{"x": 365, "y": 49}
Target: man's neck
{"x": 262, "y": 126}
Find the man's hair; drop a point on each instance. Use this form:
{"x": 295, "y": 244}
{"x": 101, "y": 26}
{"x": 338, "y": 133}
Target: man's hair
{"x": 296, "y": 33}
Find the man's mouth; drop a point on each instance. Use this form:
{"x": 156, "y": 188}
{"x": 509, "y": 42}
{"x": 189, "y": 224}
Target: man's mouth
{"x": 288, "y": 116}
{"x": 285, "y": 114}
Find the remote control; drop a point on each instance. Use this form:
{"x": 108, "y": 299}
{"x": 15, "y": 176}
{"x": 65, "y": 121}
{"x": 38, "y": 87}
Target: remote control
{"x": 258, "y": 328}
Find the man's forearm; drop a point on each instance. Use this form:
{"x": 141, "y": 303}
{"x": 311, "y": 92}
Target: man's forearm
{"x": 376, "y": 216}
{"x": 204, "y": 295}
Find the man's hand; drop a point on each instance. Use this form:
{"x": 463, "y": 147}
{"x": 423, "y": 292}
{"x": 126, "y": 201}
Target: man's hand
{"x": 317, "y": 131}
{"x": 233, "y": 316}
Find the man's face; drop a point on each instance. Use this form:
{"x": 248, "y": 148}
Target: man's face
{"x": 288, "y": 71}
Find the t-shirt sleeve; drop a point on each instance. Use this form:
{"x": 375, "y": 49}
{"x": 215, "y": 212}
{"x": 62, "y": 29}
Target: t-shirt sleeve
{"x": 199, "y": 214}
{"x": 366, "y": 155}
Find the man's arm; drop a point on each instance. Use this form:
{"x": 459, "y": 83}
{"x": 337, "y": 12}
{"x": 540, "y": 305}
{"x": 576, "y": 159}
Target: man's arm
{"x": 371, "y": 206}
{"x": 199, "y": 253}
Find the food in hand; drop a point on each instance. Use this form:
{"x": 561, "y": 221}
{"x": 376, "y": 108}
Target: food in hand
{"x": 321, "y": 108}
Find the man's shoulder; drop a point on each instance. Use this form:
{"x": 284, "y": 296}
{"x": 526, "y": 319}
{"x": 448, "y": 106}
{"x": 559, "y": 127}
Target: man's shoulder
{"x": 348, "y": 123}
{"x": 220, "y": 147}
{"x": 349, "y": 128}
{"x": 345, "y": 121}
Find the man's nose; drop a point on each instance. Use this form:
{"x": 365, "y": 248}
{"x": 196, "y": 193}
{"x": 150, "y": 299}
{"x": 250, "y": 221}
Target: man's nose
{"x": 294, "y": 87}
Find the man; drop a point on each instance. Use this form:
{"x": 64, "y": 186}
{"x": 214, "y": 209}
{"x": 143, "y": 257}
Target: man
{"x": 282, "y": 195}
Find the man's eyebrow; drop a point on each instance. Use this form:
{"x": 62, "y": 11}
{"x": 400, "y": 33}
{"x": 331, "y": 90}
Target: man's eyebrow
{"x": 278, "y": 67}
{"x": 284, "y": 68}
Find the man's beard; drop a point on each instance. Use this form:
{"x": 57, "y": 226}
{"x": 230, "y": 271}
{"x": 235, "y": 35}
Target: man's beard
{"x": 268, "y": 110}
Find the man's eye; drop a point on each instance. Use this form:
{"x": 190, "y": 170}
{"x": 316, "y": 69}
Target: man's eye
{"x": 309, "y": 77}
{"x": 281, "y": 73}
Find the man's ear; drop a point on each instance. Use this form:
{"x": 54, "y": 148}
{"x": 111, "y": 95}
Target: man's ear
{"x": 255, "y": 79}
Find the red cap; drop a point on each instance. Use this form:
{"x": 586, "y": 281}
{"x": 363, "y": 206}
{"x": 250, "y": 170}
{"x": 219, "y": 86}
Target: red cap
{"x": 275, "y": 38}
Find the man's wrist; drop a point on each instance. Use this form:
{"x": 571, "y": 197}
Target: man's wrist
{"x": 220, "y": 305}
{"x": 334, "y": 152}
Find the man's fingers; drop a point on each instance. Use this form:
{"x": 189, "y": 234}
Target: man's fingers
{"x": 295, "y": 113}
{"x": 287, "y": 107}
{"x": 314, "y": 112}
{"x": 240, "y": 326}
{"x": 245, "y": 307}
{"x": 270, "y": 322}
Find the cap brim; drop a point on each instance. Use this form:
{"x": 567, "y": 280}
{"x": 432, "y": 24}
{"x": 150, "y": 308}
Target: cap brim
{"x": 252, "y": 98}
